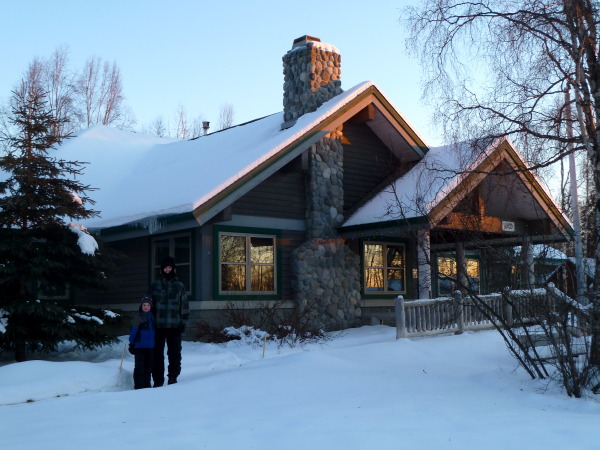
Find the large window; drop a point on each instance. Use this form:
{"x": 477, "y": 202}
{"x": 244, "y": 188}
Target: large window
{"x": 180, "y": 248}
{"x": 247, "y": 263}
{"x": 447, "y": 275}
{"x": 384, "y": 267}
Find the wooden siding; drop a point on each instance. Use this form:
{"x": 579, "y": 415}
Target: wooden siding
{"x": 130, "y": 279}
{"x": 280, "y": 195}
{"x": 367, "y": 163}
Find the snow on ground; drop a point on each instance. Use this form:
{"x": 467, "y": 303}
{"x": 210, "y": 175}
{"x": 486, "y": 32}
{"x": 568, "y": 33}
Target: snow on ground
{"x": 362, "y": 390}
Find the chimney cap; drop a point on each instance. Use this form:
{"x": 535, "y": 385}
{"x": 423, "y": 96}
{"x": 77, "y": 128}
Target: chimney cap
{"x": 303, "y": 39}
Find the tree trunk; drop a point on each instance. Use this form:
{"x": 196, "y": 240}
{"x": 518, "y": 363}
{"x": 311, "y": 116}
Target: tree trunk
{"x": 595, "y": 348}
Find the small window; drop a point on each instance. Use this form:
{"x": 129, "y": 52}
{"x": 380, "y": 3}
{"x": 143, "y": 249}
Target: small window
{"x": 247, "y": 263}
{"x": 384, "y": 268}
{"x": 180, "y": 248}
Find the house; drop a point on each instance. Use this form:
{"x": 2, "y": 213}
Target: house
{"x": 336, "y": 200}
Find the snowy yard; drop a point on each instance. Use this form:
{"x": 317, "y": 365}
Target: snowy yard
{"x": 363, "y": 390}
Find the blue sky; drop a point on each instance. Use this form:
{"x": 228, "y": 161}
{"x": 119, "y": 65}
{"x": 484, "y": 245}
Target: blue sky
{"x": 202, "y": 54}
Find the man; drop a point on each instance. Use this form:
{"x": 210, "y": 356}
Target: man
{"x": 171, "y": 313}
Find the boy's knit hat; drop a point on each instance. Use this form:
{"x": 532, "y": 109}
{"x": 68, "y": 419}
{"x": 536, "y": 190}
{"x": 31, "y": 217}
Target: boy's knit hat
{"x": 146, "y": 300}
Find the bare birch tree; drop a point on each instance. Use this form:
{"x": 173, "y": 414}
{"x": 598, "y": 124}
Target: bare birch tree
{"x": 59, "y": 85}
{"x": 502, "y": 67}
{"x": 158, "y": 127}
{"x": 53, "y": 77}
{"x": 182, "y": 127}
{"x": 226, "y": 113}
{"x": 185, "y": 127}
{"x": 100, "y": 92}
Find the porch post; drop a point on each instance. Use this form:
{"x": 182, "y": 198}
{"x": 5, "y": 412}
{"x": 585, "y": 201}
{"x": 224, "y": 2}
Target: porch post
{"x": 424, "y": 263}
{"x": 461, "y": 265}
{"x": 528, "y": 263}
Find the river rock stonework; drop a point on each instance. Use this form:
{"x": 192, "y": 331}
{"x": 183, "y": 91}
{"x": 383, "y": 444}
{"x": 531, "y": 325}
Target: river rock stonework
{"x": 312, "y": 73}
{"x": 326, "y": 271}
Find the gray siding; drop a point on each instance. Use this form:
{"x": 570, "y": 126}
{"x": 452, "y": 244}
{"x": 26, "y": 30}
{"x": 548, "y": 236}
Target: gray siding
{"x": 290, "y": 240}
{"x": 130, "y": 281}
{"x": 280, "y": 195}
{"x": 367, "y": 163}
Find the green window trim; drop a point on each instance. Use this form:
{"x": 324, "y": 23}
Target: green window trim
{"x": 388, "y": 270}
{"x": 244, "y": 264}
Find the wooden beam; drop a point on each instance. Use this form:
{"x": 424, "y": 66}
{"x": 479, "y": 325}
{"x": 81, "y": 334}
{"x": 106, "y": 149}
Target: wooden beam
{"x": 471, "y": 222}
{"x": 364, "y": 115}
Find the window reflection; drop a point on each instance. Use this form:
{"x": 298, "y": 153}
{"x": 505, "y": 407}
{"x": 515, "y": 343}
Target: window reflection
{"x": 233, "y": 277}
{"x": 384, "y": 274}
{"x": 447, "y": 267}
{"x": 233, "y": 248}
{"x": 247, "y": 263}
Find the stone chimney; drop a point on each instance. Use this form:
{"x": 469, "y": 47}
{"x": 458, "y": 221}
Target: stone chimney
{"x": 311, "y": 72}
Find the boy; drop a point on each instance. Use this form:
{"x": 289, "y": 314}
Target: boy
{"x": 141, "y": 344}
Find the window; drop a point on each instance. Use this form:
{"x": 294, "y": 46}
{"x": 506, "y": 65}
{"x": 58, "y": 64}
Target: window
{"x": 447, "y": 268}
{"x": 247, "y": 263}
{"x": 384, "y": 267}
{"x": 180, "y": 248}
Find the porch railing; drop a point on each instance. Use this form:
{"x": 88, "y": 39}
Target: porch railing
{"x": 427, "y": 317}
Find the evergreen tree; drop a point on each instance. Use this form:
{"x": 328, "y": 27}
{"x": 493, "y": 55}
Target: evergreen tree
{"x": 40, "y": 197}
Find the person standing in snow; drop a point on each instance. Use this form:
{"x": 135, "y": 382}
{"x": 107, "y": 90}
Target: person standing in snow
{"x": 141, "y": 344}
{"x": 171, "y": 313}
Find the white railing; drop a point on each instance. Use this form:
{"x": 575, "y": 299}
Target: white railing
{"x": 427, "y": 317}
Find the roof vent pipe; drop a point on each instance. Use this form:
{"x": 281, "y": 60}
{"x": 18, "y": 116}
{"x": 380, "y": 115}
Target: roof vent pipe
{"x": 205, "y": 126}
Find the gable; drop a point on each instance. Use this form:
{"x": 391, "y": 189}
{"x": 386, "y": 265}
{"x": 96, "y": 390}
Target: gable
{"x": 448, "y": 179}
{"x": 381, "y": 118}
{"x": 496, "y": 188}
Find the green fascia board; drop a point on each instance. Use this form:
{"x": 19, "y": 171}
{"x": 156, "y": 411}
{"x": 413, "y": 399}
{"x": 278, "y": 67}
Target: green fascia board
{"x": 139, "y": 225}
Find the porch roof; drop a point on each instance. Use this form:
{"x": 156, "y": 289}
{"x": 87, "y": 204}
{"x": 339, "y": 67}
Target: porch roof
{"x": 430, "y": 191}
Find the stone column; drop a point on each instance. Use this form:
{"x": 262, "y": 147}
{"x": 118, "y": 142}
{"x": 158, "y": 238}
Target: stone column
{"x": 326, "y": 271}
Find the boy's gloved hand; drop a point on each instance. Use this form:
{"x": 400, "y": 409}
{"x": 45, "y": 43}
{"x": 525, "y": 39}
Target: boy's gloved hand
{"x": 131, "y": 349}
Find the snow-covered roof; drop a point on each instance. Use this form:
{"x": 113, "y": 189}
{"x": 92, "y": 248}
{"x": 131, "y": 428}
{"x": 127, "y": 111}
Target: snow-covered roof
{"x": 415, "y": 193}
{"x": 139, "y": 176}
{"x": 423, "y": 190}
